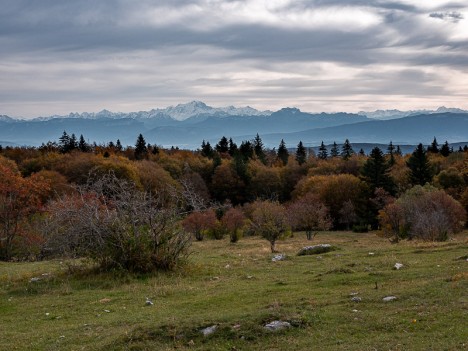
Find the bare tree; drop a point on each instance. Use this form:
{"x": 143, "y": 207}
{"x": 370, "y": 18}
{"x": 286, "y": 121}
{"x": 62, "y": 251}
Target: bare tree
{"x": 112, "y": 222}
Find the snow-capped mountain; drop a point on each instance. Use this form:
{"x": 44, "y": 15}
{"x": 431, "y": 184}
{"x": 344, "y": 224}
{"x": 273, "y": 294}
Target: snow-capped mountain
{"x": 393, "y": 114}
{"x": 181, "y": 112}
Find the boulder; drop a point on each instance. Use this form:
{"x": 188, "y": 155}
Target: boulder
{"x": 316, "y": 249}
{"x": 209, "y": 330}
{"x": 277, "y": 325}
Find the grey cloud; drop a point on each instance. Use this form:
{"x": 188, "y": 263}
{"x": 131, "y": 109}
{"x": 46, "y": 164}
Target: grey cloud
{"x": 449, "y": 16}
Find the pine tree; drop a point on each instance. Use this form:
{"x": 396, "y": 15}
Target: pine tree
{"x": 246, "y": 149}
{"x": 361, "y": 152}
{"x": 334, "y": 150}
{"x": 398, "y": 151}
{"x": 434, "y": 147}
{"x": 222, "y": 146}
{"x": 283, "y": 153}
{"x": 421, "y": 171}
{"x": 206, "y": 149}
{"x": 82, "y": 145}
{"x": 375, "y": 171}
{"x": 390, "y": 151}
{"x": 64, "y": 143}
{"x": 347, "y": 150}
{"x": 258, "y": 148}
{"x": 232, "y": 147}
{"x": 73, "y": 143}
{"x": 301, "y": 154}
{"x": 323, "y": 152}
{"x": 445, "y": 149}
{"x": 141, "y": 150}
{"x": 118, "y": 145}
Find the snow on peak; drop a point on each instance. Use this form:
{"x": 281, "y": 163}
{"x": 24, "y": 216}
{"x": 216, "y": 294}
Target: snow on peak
{"x": 392, "y": 114}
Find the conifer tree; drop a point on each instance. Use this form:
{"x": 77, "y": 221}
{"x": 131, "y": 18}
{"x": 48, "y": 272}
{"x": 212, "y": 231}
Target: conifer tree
{"x": 232, "y": 147}
{"x": 118, "y": 145}
{"x": 347, "y": 150}
{"x": 206, "y": 149}
{"x": 141, "y": 150}
{"x": 73, "y": 143}
{"x": 64, "y": 143}
{"x": 421, "y": 171}
{"x": 434, "y": 147}
{"x": 391, "y": 152}
{"x": 398, "y": 151}
{"x": 334, "y": 150}
{"x": 301, "y": 154}
{"x": 258, "y": 148}
{"x": 375, "y": 171}
{"x": 222, "y": 146}
{"x": 82, "y": 145}
{"x": 323, "y": 152}
{"x": 246, "y": 149}
{"x": 283, "y": 153}
{"x": 445, "y": 149}
{"x": 361, "y": 152}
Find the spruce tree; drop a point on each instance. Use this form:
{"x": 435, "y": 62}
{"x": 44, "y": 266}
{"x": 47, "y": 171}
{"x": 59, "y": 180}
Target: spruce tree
{"x": 206, "y": 149}
{"x": 118, "y": 145}
{"x": 141, "y": 150}
{"x": 347, "y": 150}
{"x": 82, "y": 145}
{"x": 222, "y": 146}
{"x": 334, "y": 150}
{"x": 64, "y": 143}
{"x": 323, "y": 152}
{"x": 301, "y": 154}
{"x": 398, "y": 151}
{"x": 375, "y": 171}
{"x": 390, "y": 152}
{"x": 445, "y": 149}
{"x": 73, "y": 143}
{"x": 361, "y": 152}
{"x": 246, "y": 149}
{"x": 258, "y": 148}
{"x": 283, "y": 153}
{"x": 232, "y": 147}
{"x": 434, "y": 147}
{"x": 420, "y": 169}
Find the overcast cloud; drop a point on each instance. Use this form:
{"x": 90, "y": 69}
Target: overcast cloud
{"x": 318, "y": 55}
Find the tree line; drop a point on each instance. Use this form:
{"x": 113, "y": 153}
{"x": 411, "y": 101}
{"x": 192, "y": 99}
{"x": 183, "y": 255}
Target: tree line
{"x": 137, "y": 207}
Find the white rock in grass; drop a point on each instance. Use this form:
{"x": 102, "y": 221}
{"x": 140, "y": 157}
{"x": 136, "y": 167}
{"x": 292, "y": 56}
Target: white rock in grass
{"x": 149, "y": 302}
{"x": 389, "y": 298}
{"x": 209, "y": 330}
{"x": 397, "y": 266}
{"x": 356, "y": 299}
{"x": 34, "y": 280}
{"x": 277, "y": 325}
{"x": 279, "y": 257}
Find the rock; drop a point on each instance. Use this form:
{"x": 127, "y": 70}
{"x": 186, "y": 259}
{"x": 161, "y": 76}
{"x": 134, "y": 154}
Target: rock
{"x": 279, "y": 257}
{"x": 354, "y": 293}
{"x": 371, "y": 253}
{"x": 398, "y": 266}
{"x": 227, "y": 266}
{"x": 149, "y": 302}
{"x": 389, "y": 298}
{"x": 277, "y": 325}
{"x": 209, "y": 330}
{"x": 356, "y": 299}
{"x": 355, "y": 311}
{"x": 315, "y": 249}
{"x": 34, "y": 279}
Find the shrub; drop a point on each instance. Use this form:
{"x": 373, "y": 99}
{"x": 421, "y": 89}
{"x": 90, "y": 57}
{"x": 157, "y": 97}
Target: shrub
{"x": 112, "y": 222}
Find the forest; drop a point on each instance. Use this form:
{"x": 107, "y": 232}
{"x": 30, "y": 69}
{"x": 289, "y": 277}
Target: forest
{"x": 138, "y": 208}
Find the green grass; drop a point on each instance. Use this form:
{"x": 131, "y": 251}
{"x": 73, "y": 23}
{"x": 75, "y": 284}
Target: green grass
{"x": 238, "y": 288}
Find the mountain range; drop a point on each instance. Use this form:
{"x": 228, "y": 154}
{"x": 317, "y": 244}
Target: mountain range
{"x": 186, "y": 125}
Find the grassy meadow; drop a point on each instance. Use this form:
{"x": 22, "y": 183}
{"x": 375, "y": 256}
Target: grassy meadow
{"x": 238, "y": 288}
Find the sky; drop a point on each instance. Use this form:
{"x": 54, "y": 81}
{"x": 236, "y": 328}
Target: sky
{"x": 58, "y": 57}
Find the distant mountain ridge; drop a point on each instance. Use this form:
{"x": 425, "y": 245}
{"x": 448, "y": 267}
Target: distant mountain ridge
{"x": 186, "y": 125}
{"x": 393, "y": 114}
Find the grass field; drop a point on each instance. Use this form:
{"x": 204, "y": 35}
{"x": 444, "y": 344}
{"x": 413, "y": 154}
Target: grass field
{"x": 238, "y": 288}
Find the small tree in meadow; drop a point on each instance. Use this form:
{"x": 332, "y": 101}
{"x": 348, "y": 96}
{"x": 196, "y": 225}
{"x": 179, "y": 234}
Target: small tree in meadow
{"x": 270, "y": 221}
{"x": 234, "y": 221}
{"x": 310, "y": 215}
{"x": 198, "y": 223}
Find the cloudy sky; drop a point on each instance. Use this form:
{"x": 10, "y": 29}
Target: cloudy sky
{"x": 58, "y": 57}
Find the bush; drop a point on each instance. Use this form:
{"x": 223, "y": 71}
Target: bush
{"x": 115, "y": 224}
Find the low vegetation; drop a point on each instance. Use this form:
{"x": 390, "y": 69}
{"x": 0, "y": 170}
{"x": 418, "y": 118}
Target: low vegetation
{"x": 333, "y": 301}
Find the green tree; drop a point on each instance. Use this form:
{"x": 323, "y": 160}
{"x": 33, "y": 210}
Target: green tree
{"x": 141, "y": 150}
{"x": 323, "y": 152}
{"x": 64, "y": 143}
{"x": 222, "y": 146}
{"x": 232, "y": 147}
{"x": 391, "y": 153}
{"x": 82, "y": 145}
{"x": 206, "y": 149}
{"x": 434, "y": 147}
{"x": 375, "y": 172}
{"x": 420, "y": 169}
{"x": 246, "y": 149}
{"x": 347, "y": 150}
{"x": 334, "y": 150}
{"x": 301, "y": 154}
{"x": 118, "y": 145}
{"x": 445, "y": 149}
{"x": 259, "y": 149}
{"x": 283, "y": 153}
